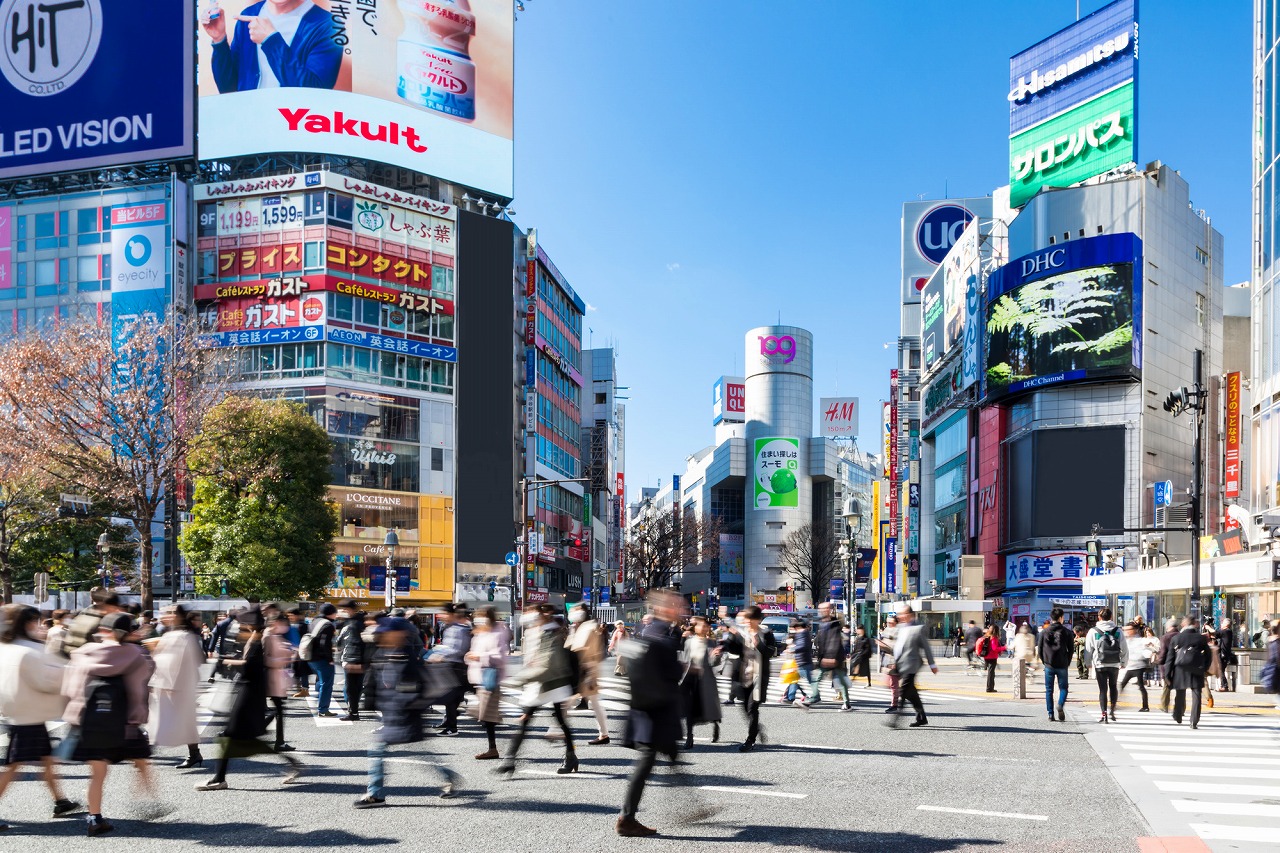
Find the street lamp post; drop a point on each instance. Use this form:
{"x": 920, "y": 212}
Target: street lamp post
{"x": 853, "y": 519}
{"x": 104, "y": 548}
{"x": 391, "y": 542}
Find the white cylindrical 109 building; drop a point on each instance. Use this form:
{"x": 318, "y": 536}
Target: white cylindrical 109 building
{"x": 779, "y": 424}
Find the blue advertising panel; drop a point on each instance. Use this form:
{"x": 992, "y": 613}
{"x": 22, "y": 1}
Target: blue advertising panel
{"x": 530, "y": 367}
{"x": 92, "y": 83}
{"x": 1094, "y": 288}
{"x": 371, "y": 340}
{"x": 1094, "y": 55}
{"x": 891, "y": 564}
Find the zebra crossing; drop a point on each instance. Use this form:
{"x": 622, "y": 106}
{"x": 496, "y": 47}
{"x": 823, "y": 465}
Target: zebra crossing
{"x": 615, "y": 695}
{"x": 1223, "y": 779}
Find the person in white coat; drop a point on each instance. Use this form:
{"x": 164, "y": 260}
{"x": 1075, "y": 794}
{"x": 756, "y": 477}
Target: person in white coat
{"x": 178, "y": 656}
{"x": 1024, "y": 648}
{"x": 30, "y": 697}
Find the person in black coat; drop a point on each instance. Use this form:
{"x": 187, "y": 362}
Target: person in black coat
{"x": 1185, "y": 666}
{"x": 401, "y": 688}
{"x": 754, "y": 645}
{"x": 653, "y": 725}
{"x": 247, "y": 721}
{"x": 860, "y": 656}
{"x": 1226, "y": 655}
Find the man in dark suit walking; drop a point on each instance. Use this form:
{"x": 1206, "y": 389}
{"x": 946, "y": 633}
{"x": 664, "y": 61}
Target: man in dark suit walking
{"x": 1185, "y": 666}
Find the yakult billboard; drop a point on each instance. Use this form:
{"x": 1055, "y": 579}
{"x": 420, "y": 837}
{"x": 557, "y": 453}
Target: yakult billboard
{"x": 422, "y": 84}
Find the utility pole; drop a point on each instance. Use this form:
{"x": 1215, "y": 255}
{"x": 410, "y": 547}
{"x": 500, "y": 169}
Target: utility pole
{"x": 1194, "y": 400}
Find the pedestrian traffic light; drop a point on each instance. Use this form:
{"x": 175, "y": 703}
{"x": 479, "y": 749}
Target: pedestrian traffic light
{"x": 222, "y": 585}
{"x": 1178, "y": 401}
{"x": 493, "y": 585}
{"x": 1093, "y": 556}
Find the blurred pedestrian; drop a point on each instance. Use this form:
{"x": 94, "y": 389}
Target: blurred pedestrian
{"x": 547, "y": 678}
{"x": 1138, "y": 661}
{"x": 859, "y": 659}
{"x": 801, "y": 649}
{"x": 175, "y": 685}
{"x": 910, "y": 652}
{"x": 106, "y": 685}
{"x": 450, "y": 653}
{"x": 701, "y": 692}
{"x": 1227, "y": 659}
{"x": 615, "y": 639}
{"x": 277, "y": 654}
{"x": 402, "y": 687}
{"x": 487, "y": 664}
{"x": 884, "y": 643}
{"x": 1024, "y": 643}
{"x": 972, "y": 633}
{"x": 84, "y": 625}
{"x": 755, "y": 648}
{"x": 1082, "y": 652}
{"x": 585, "y": 642}
{"x": 30, "y": 698}
{"x": 653, "y": 724}
{"x": 316, "y": 649}
{"x": 831, "y": 651}
{"x": 301, "y": 669}
{"x": 1171, "y": 628}
{"x": 247, "y": 722}
{"x": 349, "y": 647}
{"x": 57, "y": 632}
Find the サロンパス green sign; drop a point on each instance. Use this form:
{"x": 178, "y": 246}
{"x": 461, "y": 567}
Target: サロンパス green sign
{"x": 1082, "y": 142}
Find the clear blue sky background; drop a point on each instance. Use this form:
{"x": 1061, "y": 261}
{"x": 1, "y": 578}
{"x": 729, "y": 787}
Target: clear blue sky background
{"x": 695, "y": 167}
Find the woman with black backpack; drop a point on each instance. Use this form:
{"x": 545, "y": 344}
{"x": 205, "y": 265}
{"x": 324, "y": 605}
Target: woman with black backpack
{"x": 108, "y": 704}
{"x": 1110, "y": 655}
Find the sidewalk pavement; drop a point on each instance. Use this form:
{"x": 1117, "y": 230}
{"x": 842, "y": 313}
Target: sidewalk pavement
{"x": 954, "y": 677}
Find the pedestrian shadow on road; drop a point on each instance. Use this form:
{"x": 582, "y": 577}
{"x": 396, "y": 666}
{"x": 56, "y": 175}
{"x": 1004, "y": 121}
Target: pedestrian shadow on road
{"x": 850, "y": 841}
{"x": 1003, "y": 730}
{"x": 227, "y": 836}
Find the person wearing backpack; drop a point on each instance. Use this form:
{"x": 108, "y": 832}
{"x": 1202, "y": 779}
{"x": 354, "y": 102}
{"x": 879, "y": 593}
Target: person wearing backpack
{"x": 84, "y": 627}
{"x": 989, "y": 650}
{"x": 1185, "y": 668}
{"x": 316, "y": 649}
{"x": 1055, "y": 648}
{"x": 400, "y": 686}
{"x": 108, "y": 703}
{"x": 1106, "y": 645}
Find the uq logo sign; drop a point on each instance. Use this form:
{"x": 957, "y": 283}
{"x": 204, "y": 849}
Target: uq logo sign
{"x": 777, "y": 350}
{"x": 939, "y": 229}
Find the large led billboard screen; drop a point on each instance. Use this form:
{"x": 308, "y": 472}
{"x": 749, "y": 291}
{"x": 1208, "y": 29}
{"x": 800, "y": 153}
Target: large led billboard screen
{"x": 1091, "y": 62}
{"x": 93, "y": 83}
{"x": 1064, "y": 314}
{"x": 421, "y": 84}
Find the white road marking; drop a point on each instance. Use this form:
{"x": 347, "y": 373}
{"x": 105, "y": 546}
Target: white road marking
{"x": 1196, "y": 744}
{"x": 1016, "y": 815}
{"x": 814, "y": 746}
{"x": 585, "y": 774}
{"x": 1215, "y": 788}
{"x": 1203, "y": 759}
{"x": 747, "y": 790}
{"x": 1240, "y": 809}
{"x": 1222, "y": 832}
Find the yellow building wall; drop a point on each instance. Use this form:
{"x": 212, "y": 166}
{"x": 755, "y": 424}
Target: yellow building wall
{"x": 435, "y": 548}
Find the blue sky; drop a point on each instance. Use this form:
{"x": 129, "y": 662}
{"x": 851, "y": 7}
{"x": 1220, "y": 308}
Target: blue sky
{"x": 695, "y": 167}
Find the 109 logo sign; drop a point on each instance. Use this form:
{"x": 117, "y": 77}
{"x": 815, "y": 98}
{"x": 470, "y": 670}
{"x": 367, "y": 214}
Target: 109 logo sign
{"x": 778, "y": 350}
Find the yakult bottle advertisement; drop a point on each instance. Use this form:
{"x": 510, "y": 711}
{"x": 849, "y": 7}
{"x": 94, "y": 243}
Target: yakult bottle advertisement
{"x": 423, "y": 84}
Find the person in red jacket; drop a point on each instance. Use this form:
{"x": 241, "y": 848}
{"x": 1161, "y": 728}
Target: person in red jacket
{"x": 989, "y": 649}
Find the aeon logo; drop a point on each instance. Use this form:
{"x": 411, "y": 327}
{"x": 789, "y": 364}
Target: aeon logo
{"x": 778, "y": 350}
{"x": 939, "y": 229}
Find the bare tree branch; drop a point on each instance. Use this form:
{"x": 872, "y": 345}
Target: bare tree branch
{"x": 810, "y": 555}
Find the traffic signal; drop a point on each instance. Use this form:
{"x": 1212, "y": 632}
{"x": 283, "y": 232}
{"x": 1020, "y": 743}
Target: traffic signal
{"x": 1178, "y": 401}
{"x": 222, "y": 585}
{"x": 577, "y": 541}
{"x": 1093, "y": 556}
{"x": 493, "y": 585}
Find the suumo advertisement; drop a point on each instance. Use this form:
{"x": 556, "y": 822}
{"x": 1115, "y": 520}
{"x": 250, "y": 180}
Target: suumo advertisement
{"x": 1072, "y": 102}
{"x": 1064, "y": 314}
{"x": 776, "y": 466}
{"x": 93, "y": 83}
{"x": 421, "y": 84}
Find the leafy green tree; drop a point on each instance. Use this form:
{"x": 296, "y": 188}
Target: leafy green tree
{"x": 260, "y": 518}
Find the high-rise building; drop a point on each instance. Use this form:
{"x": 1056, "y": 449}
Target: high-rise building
{"x": 1264, "y": 414}
{"x": 604, "y": 461}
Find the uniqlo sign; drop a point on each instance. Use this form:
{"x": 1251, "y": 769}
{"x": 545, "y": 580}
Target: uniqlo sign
{"x": 1231, "y": 468}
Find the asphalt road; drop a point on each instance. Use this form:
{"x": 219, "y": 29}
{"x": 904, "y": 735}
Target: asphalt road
{"x": 985, "y": 775}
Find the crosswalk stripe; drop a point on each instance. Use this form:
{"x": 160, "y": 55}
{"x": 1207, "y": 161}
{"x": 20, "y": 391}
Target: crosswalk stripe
{"x": 1238, "y": 809}
{"x": 1221, "y": 832}
{"x": 1204, "y": 759}
{"x": 1219, "y": 788}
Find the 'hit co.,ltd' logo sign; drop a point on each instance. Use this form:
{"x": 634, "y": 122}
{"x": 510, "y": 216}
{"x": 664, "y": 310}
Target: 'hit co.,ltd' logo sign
{"x": 48, "y": 46}
{"x": 777, "y": 350}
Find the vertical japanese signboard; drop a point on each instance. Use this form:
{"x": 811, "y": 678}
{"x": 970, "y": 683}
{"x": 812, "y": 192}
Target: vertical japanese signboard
{"x": 894, "y": 477}
{"x": 1231, "y": 469}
